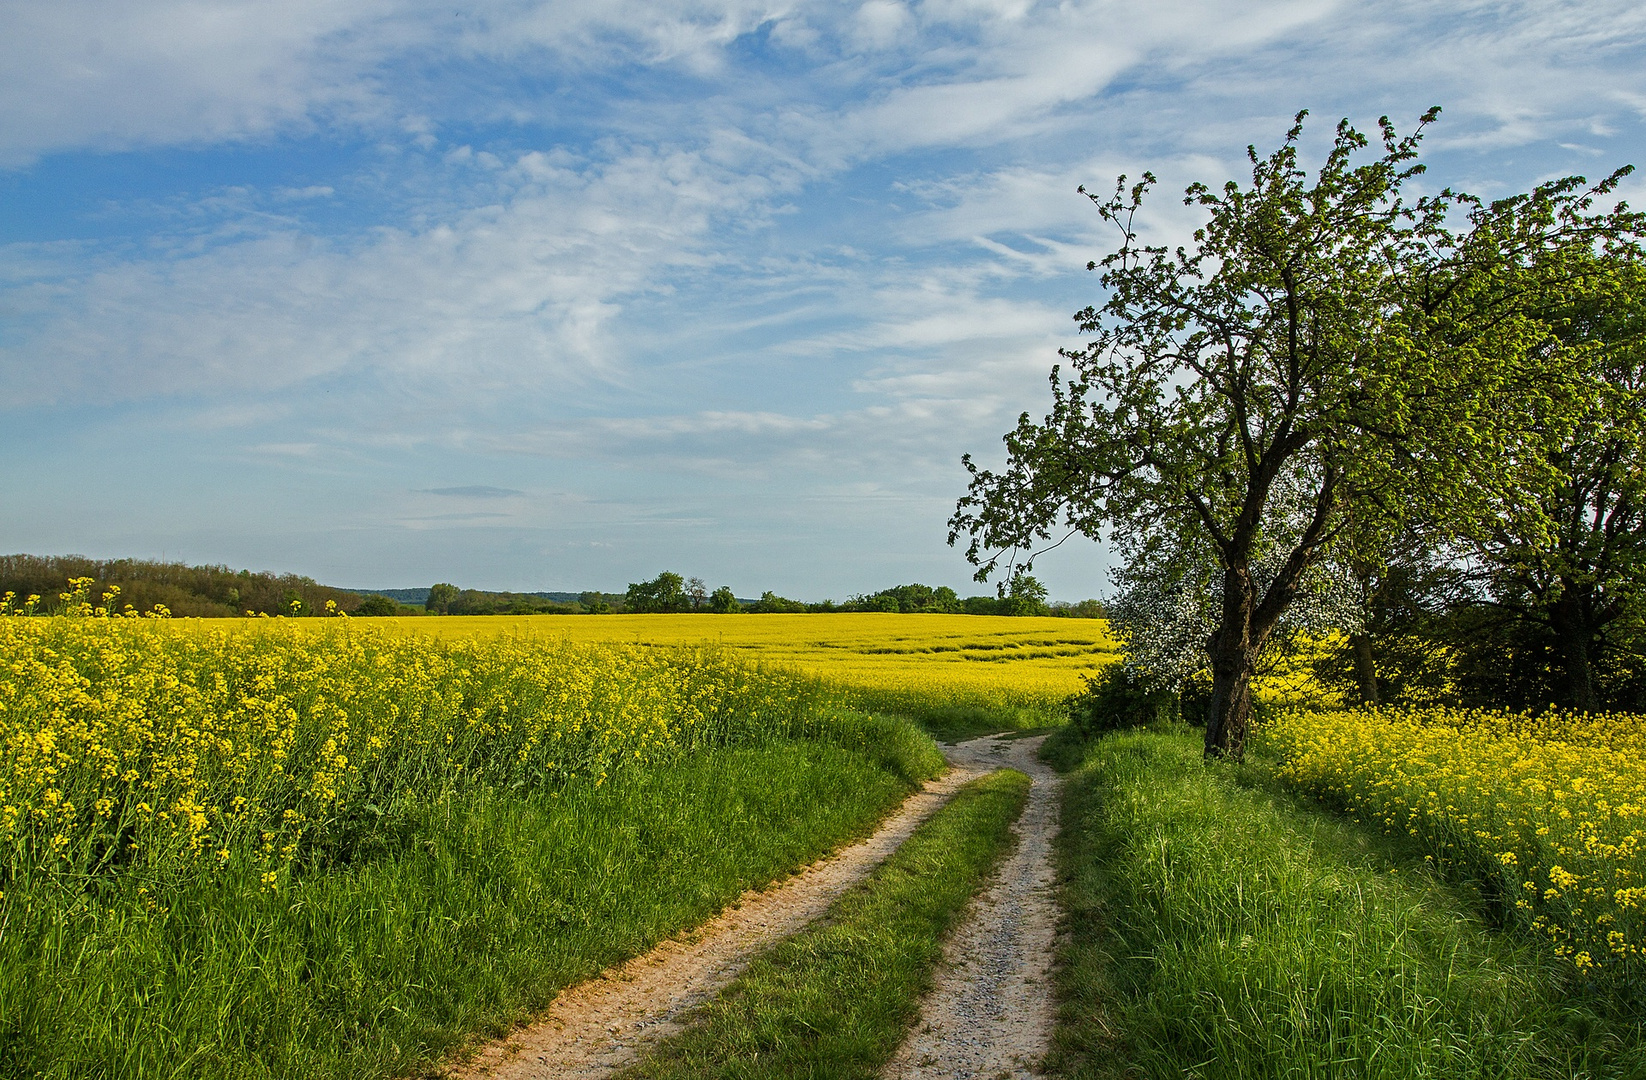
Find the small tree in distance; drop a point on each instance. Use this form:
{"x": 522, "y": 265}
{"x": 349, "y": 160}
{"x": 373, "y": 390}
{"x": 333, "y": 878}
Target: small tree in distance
{"x": 440, "y": 598}
{"x": 664, "y": 593}
{"x": 1322, "y": 352}
{"x": 1023, "y": 595}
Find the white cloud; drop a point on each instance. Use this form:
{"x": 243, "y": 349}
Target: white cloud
{"x": 880, "y": 23}
{"x": 109, "y": 74}
{"x": 521, "y": 293}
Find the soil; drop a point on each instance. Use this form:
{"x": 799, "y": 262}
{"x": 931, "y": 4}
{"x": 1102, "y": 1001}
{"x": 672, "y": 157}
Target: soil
{"x": 596, "y": 1028}
{"x": 989, "y": 1015}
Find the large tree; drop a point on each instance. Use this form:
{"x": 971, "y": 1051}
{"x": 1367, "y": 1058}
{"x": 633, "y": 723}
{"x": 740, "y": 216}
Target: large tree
{"x": 1323, "y": 351}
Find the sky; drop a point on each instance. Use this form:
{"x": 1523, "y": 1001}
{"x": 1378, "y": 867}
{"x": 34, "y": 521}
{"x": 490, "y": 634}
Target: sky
{"x": 545, "y": 296}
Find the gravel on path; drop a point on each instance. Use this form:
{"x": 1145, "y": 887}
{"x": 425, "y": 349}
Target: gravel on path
{"x": 598, "y": 1027}
{"x": 990, "y": 1013}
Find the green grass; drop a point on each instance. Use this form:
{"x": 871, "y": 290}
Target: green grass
{"x": 1222, "y": 929}
{"x": 952, "y": 718}
{"x": 836, "y": 1000}
{"x": 465, "y": 920}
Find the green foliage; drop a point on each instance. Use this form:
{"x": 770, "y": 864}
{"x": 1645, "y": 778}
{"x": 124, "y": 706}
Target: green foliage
{"x": 1117, "y": 698}
{"x": 837, "y": 998}
{"x": 1324, "y": 350}
{"x": 1023, "y": 596}
{"x": 373, "y": 604}
{"x": 907, "y": 599}
{"x": 664, "y": 593}
{"x": 723, "y": 602}
{"x": 185, "y": 591}
{"x": 772, "y": 604}
{"x": 441, "y": 597}
{"x": 1571, "y": 574}
{"x": 1408, "y": 604}
{"x": 1221, "y": 931}
{"x": 480, "y": 602}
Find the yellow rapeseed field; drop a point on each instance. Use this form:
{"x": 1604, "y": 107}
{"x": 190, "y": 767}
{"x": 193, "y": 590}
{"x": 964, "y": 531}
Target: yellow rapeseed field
{"x": 1552, "y": 809}
{"x": 160, "y": 745}
{"x": 889, "y": 661}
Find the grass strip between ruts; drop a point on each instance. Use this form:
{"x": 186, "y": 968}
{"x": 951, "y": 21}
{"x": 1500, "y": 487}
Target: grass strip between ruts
{"x": 837, "y": 999}
{"x": 1220, "y": 928}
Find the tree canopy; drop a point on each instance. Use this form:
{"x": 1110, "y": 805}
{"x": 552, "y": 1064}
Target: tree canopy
{"x": 1324, "y": 352}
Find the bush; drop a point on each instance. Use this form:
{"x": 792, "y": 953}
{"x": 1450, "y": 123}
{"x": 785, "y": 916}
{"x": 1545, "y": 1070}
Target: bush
{"x": 1118, "y": 698}
{"x": 375, "y": 604}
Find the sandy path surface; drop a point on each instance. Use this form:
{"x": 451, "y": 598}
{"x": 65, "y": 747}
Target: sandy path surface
{"x": 990, "y": 1013}
{"x": 594, "y": 1029}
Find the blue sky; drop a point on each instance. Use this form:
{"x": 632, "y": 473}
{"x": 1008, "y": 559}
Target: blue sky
{"x": 557, "y": 295}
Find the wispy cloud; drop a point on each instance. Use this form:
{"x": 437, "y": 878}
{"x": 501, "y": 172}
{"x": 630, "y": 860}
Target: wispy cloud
{"x": 473, "y": 491}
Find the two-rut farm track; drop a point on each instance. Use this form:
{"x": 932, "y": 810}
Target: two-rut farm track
{"x": 988, "y": 1015}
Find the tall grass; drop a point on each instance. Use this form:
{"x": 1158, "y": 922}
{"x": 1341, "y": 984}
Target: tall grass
{"x": 1221, "y": 929}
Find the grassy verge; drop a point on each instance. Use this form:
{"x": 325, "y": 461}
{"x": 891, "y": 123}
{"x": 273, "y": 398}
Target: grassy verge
{"x": 468, "y": 917}
{"x": 954, "y": 716}
{"x": 1221, "y": 929}
{"x": 835, "y": 1000}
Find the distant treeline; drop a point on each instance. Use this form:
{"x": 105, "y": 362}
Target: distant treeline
{"x": 217, "y": 591}
{"x": 183, "y": 590}
{"x": 669, "y": 592}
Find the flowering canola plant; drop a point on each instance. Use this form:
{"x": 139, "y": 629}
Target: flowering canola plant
{"x": 164, "y": 746}
{"x": 1551, "y": 808}
{"x": 883, "y": 660}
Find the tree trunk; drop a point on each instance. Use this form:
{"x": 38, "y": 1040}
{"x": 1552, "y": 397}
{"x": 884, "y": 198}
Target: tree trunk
{"x": 1573, "y": 637}
{"x": 1365, "y": 669}
{"x": 1233, "y": 657}
{"x": 1230, "y": 710}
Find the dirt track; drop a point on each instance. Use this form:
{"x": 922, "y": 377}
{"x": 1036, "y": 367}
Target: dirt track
{"x": 990, "y": 1013}
{"x": 595, "y": 1029}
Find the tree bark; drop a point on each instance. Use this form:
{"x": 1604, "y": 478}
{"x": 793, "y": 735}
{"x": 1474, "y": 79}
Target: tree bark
{"x": 1233, "y": 657}
{"x": 1230, "y": 710}
{"x": 1365, "y": 669}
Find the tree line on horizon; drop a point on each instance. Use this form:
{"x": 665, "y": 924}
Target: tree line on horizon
{"x": 672, "y": 593}
{"x": 216, "y": 591}
{"x": 211, "y": 591}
